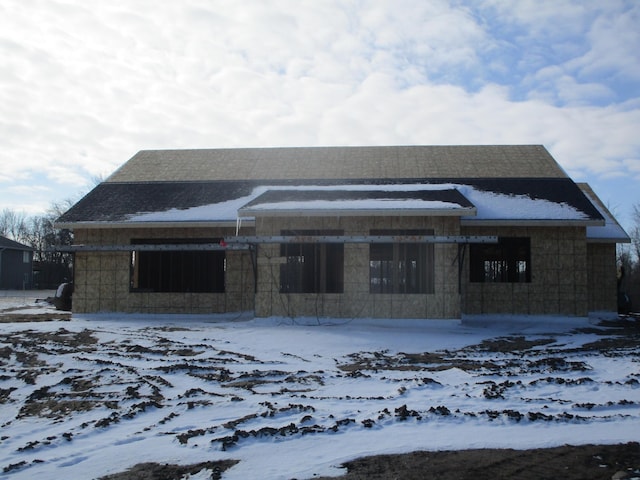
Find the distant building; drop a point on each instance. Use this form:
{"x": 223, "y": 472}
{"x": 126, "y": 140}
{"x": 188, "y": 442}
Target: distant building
{"x": 16, "y": 265}
{"x": 386, "y": 232}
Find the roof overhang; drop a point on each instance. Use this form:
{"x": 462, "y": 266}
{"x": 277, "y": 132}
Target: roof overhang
{"x": 610, "y": 231}
{"x": 355, "y": 212}
{"x": 608, "y": 240}
{"x": 494, "y": 222}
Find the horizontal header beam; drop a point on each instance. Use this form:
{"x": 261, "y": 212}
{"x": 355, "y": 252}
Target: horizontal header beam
{"x": 246, "y": 242}
{"x": 181, "y": 247}
{"x": 361, "y": 239}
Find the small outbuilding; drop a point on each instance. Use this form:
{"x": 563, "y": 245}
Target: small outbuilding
{"x": 385, "y": 232}
{"x": 16, "y": 265}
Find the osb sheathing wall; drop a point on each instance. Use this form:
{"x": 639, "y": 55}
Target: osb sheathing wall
{"x": 601, "y": 274}
{"x": 356, "y": 300}
{"x": 559, "y": 277}
{"x": 568, "y": 276}
{"x": 102, "y": 279}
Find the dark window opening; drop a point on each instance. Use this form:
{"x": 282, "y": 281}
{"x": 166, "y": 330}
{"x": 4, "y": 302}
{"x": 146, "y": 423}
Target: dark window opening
{"x": 508, "y": 261}
{"x": 401, "y": 267}
{"x": 312, "y": 267}
{"x": 196, "y": 271}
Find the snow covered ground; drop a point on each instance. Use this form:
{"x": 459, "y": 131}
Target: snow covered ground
{"x": 25, "y": 300}
{"x": 294, "y": 399}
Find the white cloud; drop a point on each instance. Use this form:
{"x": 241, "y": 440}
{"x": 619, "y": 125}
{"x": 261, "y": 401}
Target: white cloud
{"x": 592, "y": 46}
{"x": 553, "y": 85}
{"x": 633, "y": 166}
{"x": 86, "y": 85}
{"x": 614, "y": 38}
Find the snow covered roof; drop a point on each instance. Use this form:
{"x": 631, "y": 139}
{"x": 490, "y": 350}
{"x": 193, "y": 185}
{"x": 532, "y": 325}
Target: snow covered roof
{"x": 528, "y": 201}
{"x": 396, "y": 200}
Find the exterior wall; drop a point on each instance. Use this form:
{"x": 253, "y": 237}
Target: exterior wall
{"x": 356, "y": 300}
{"x": 559, "y": 276}
{"x": 102, "y": 279}
{"x": 568, "y": 276}
{"x": 15, "y": 273}
{"x": 601, "y": 273}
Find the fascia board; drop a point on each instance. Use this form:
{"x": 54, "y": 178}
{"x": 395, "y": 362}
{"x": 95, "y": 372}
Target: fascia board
{"x": 472, "y": 222}
{"x": 608, "y": 240}
{"x": 360, "y": 212}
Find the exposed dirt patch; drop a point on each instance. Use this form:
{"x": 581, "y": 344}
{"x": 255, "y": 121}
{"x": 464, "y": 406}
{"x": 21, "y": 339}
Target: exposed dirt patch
{"x": 513, "y": 344}
{"x": 156, "y": 471}
{"x": 8, "y": 317}
{"x": 424, "y": 361}
{"x": 619, "y": 335}
{"x": 588, "y": 462}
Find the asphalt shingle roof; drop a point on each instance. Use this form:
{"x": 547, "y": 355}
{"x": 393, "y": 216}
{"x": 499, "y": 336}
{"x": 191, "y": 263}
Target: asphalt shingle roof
{"x": 13, "y": 245}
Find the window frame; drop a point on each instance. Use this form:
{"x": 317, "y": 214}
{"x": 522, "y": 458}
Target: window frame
{"x": 508, "y": 261}
{"x": 177, "y": 271}
{"x": 311, "y": 267}
{"x": 402, "y": 268}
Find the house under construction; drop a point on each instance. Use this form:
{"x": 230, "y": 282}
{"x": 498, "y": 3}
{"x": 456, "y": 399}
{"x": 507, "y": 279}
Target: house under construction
{"x": 384, "y": 232}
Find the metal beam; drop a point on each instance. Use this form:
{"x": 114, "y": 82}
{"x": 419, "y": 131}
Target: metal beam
{"x": 150, "y": 247}
{"x": 246, "y": 242}
{"x": 257, "y": 239}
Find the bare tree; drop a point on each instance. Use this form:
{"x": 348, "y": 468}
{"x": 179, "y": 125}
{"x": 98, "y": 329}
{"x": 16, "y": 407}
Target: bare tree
{"x": 56, "y": 209}
{"x": 51, "y": 267}
{"x": 629, "y": 261}
{"x": 13, "y": 225}
{"x": 635, "y": 231}
{"x": 54, "y": 266}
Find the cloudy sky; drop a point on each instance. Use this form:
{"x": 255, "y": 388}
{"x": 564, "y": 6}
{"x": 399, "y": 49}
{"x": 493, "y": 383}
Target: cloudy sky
{"x": 85, "y": 84}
